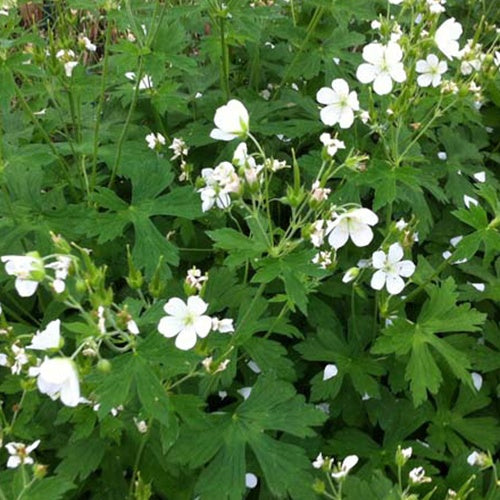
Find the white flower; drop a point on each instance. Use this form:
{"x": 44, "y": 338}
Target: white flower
{"x": 350, "y": 275}
{"x": 58, "y": 378}
{"x": 132, "y": 327}
{"x": 209, "y": 197}
{"x": 401, "y": 224}
{"x": 20, "y": 359}
{"x": 141, "y": 425}
{"x": 407, "y": 452}
{"x": 319, "y": 461}
{"x": 146, "y": 81}
{"x": 65, "y": 54}
{"x": 390, "y": 268}
{"x": 479, "y": 459}
{"x": 50, "y": 338}
{"x": 88, "y": 44}
{"x": 447, "y": 36}
{"x": 396, "y": 2}
{"x": 224, "y": 176}
{"x": 431, "y": 70}
{"x": 318, "y": 233}
{"x": 323, "y": 259}
{"x": 354, "y": 224}
{"x": 61, "y": 267}
{"x": 220, "y": 181}
{"x": 223, "y": 325}
{"x": 185, "y": 321}
{"x": 383, "y": 65}
{"x": 20, "y": 454}
{"x": 477, "y": 380}
{"x": 330, "y": 371}
{"x": 179, "y": 148}
{"x": 155, "y": 141}
{"x": 231, "y": 121}
{"x": 195, "y": 279}
{"x": 69, "y": 67}
{"x": 318, "y": 193}
{"x": 342, "y": 470}
{"x": 340, "y": 104}
{"x": 436, "y": 6}
{"x": 442, "y": 155}
{"x": 417, "y": 476}
{"x": 24, "y": 267}
{"x": 332, "y": 144}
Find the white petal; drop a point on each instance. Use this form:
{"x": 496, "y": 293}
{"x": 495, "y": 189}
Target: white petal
{"x": 424, "y": 80}
{"x": 175, "y": 307}
{"x": 251, "y": 480}
{"x": 13, "y": 462}
{"x": 361, "y": 234}
{"x": 186, "y": 339}
{"x": 339, "y": 236}
{"x": 330, "y": 115}
{"x": 25, "y": 288}
{"x": 203, "y": 325}
{"x": 340, "y": 86}
{"x": 477, "y": 380}
{"x": 395, "y": 253}
{"x": 366, "y": 73}
{"x": 405, "y": 268}
{"x": 346, "y": 118}
{"x": 365, "y": 215}
{"x": 353, "y": 101}
{"x": 393, "y": 53}
{"x": 378, "y": 280}
{"x": 480, "y": 176}
{"x": 170, "y": 326}
{"x": 378, "y": 259}
{"x": 373, "y": 53}
{"x": 330, "y": 371}
{"x": 349, "y": 462}
{"x": 220, "y": 135}
{"x": 196, "y": 305}
{"x": 382, "y": 84}
{"x": 325, "y": 95}
{"x": 70, "y": 391}
{"x": 422, "y": 66}
{"x": 398, "y": 73}
{"x": 394, "y": 284}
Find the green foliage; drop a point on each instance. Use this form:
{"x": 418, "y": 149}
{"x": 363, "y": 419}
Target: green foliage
{"x": 304, "y": 354}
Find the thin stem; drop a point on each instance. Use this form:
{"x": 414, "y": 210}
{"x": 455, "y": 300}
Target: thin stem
{"x": 224, "y": 59}
{"x": 100, "y": 105}
{"x": 124, "y": 131}
{"x": 138, "y": 460}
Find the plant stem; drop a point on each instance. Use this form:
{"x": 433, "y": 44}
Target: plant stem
{"x": 224, "y": 58}
{"x": 124, "y": 131}
{"x": 100, "y": 106}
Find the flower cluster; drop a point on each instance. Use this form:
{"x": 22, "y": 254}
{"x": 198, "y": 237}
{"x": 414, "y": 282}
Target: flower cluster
{"x": 29, "y": 271}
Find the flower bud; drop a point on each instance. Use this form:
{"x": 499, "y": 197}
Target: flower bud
{"x": 104, "y": 365}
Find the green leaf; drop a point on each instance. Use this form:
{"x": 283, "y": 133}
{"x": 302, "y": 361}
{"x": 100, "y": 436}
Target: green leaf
{"x": 53, "y": 487}
{"x": 221, "y": 442}
{"x": 439, "y": 314}
{"x": 151, "y": 392}
{"x": 81, "y": 458}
